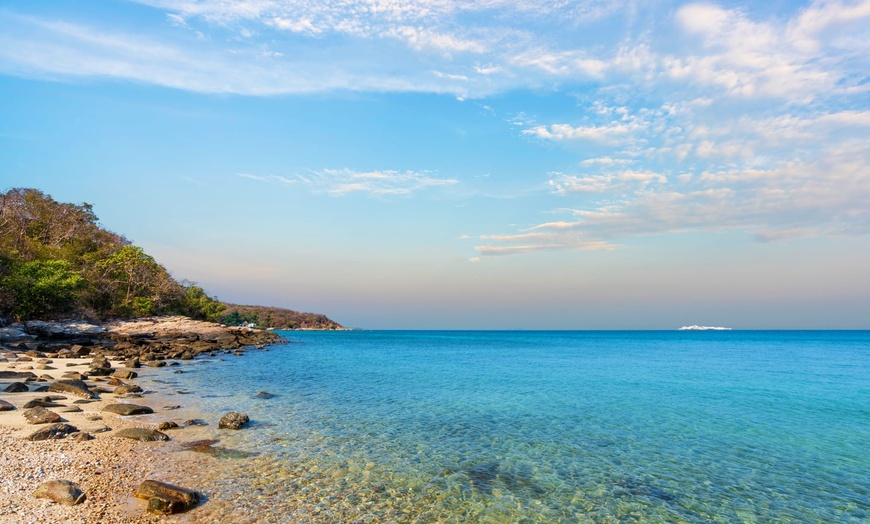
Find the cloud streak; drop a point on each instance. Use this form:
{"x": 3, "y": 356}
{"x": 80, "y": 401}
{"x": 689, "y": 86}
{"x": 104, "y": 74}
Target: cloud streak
{"x": 342, "y": 182}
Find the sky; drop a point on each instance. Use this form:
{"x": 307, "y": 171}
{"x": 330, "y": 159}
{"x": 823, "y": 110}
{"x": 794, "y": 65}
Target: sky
{"x": 458, "y": 164}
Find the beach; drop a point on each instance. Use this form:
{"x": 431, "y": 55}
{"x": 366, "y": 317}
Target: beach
{"x": 107, "y": 468}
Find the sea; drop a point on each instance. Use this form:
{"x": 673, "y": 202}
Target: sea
{"x": 538, "y": 427}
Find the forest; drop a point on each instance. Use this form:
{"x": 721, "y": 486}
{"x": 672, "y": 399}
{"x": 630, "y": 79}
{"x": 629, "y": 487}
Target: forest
{"x": 56, "y": 261}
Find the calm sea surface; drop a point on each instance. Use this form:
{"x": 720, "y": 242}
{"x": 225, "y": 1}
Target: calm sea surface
{"x": 434, "y": 426}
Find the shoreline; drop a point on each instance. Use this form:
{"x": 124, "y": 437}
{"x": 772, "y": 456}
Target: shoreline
{"x": 107, "y": 468}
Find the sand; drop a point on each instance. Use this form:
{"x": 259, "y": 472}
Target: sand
{"x": 108, "y": 469}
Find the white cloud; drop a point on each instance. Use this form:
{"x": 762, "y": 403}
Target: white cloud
{"x": 340, "y": 182}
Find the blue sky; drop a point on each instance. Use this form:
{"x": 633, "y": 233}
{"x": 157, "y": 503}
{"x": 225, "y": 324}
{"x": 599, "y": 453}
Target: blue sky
{"x": 464, "y": 164}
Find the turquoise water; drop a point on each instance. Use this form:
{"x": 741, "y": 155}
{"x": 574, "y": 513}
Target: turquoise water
{"x": 401, "y": 426}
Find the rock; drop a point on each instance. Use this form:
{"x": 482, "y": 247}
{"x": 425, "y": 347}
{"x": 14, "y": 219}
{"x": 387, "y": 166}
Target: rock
{"x": 155, "y": 363}
{"x": 195, "y": 422}
{"x": 44, "y": 402}
{"x": 71, "y": 409}
{"x": 52, "y": 432}
{"x": 127, "y": 388}
{"x": 233, "y": 420}
{"x": 128, "y": 409}
{"x": 81, "y": 436}
{"x": 167, "y": 425}
{"x": 96, "y": 429}
{"x": 80, "y": 351}
{"x": 24, "y": 376}
{"x": 5, "y": 406}
{"x": 166, "y": 498}
{"x": 61, "y": 330}
{"x": 133, "y": 363}
{"x": 263, "y": 394}
{"x": 124, "y": 374}
{"x": 16, "y": 387}
{"x": 73, "y": 387}
{"x": 60, "y": 491}
{"x": 40, "y": 415}
{"x": 143, "y": 434}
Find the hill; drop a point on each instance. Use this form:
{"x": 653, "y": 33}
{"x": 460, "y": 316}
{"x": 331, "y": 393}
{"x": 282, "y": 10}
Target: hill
{"x": 56, "y": 261}
{"x": 275, "y": 317}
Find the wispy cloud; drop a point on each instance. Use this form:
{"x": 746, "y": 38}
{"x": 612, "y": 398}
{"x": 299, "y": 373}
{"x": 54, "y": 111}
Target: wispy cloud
{"x": 340, "y": 182}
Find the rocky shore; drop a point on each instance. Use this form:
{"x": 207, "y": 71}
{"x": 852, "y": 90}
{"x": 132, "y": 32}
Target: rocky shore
{"x": 82, "y": 441}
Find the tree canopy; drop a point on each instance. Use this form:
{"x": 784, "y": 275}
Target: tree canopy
{"x": 56, "y": 260}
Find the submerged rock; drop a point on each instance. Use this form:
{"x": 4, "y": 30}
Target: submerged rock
{"x": 167, "y": 425}
{"x": 143, "y": 434}
{"x": 233, "y": 420}
{"x": 166, "y": 498}
{"x": 16, "y": 387}
{"x": 60, "y": 491}
{"x": 264, "y": 394}
{"x": 128, "y": 409}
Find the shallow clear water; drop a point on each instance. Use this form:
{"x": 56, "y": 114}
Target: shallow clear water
{"x": 401, "y": 426}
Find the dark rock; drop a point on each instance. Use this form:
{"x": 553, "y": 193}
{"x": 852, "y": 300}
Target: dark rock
{"x": 179, "y": 371}
{"x": 174, "y": 406}
{"x": 195, "y": 422}
{"x": 263, "y": 394}
{"x": 25, "y": 376}
{"x": 155, "y": 363}
{"x": 84, "y": 401}
{"x": 60, "y": 491}
{"x": 16, "y": 387}
{"x": 80, "y": 351}
{"x": 100, "y": 372}
{"x": 52, "y": 432}
{"x": 81, "y": 436}
{"x": 124, "y": 374}
{"x": 5, "y": 406}
{"x": 71, "y": 409}
{"x": 128, "y": 409}
{"x": 133, "y": 363}
{"x": 143, "y": 434}
{"x": 44, "y": 402}
{"x": 73, "y": 387}
{"x": 127, "y": 388}
{"x": 167, "y": 425}
{"x": 233, "y": 420}
{"x": 40, "y": 415}
{"x": 166, "y": 498}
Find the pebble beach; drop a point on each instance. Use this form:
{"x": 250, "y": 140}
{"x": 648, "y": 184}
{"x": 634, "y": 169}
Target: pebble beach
{"x": 104, "y": 466}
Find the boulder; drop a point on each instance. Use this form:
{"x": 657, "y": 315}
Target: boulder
{"x": 52, "y": 432}
{"x": 5, "y": 406}
{"x": 124, "y": 374}
{"x": 73, "y": 387}
{"x": 80, "y": 351}
{"x": 40, "y": 415}
{"x": 16, "y": 387}
{"x": 127, "y": 388}
{"x": 167, "y": 425}
{"x": 81, "y": 436}
{"x": 133, "y": 363}
{"x": 233, "y": 420}
{"x": 23, "y": 376}
{"x": 166, "y": 498}
{"x": 60, "y": 491}
{"x": 265, "y": 395}
{"x": 128, "y": 409}
{"x": 155, "y": 363}
{"x": 143, "y": 434}
{"x": 45, "y": 402}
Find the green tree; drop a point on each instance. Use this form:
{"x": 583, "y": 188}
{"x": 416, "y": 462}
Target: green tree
{"x": 131, "y": 273}
{"x": 42, "y": 288}
{"x": 200, "y": 306}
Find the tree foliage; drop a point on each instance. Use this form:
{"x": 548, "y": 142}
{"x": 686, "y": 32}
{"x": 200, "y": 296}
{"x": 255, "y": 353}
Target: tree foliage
{"x": 55, "y": 260}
